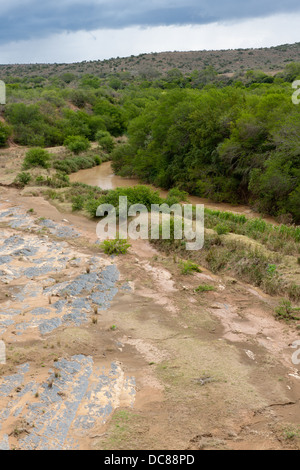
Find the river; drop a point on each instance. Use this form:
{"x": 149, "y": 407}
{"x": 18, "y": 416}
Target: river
{"x": 104, "y": 177}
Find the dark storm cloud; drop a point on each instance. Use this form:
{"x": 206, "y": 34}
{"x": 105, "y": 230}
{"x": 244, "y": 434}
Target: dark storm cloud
{"x": 29, "y": 19}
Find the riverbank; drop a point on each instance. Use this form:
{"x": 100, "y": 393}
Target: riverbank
{"x": 104, "y": 177}
{"x": 187, "y": 367}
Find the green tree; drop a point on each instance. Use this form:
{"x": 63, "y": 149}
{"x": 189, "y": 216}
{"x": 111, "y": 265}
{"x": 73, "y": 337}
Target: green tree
{"x": 77, "y": 144}
{"x": 113, "y": 116}
{"x": 106, "y": 141}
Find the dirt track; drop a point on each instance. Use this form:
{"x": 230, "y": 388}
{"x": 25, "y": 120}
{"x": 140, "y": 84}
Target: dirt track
{"x": 155, "y": 366}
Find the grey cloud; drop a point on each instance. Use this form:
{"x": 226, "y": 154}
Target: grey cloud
{"x": 32, "y": 19}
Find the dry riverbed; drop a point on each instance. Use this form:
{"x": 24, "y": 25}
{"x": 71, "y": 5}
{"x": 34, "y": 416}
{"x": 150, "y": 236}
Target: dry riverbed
{"x": 123, "y": 353}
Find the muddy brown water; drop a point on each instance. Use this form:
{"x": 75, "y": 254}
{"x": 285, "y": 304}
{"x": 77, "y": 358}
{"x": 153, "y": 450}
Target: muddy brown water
{"x": 104, "y": 177}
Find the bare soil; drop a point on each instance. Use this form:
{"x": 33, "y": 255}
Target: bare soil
{"x": 212, "y": 370}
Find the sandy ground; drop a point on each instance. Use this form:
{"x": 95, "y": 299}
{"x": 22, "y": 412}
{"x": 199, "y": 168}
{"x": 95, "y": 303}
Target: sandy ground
{"x": 122, "y": 353}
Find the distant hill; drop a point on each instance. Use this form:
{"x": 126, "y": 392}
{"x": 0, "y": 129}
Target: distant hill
{"x": 270, "y": 60}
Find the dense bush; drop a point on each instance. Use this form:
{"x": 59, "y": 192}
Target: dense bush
{"x": 291, "y": 72}
{"x": 32, "y": 127}
{"x": 49, "y": 121}
{"x": 59, "y": 180}
{"x": 233, "y": 139}
{"x": 72, "y": 165}
{"x": 105, "y": 140}
{"x": 5, "y": 132}
{"x": 115, "y": 247}
{"x": 176, "y": 196}
{"x": 113, "y": 116}
{"x": 135, "y": 195}
{"x": 37, "y": 157}
{"x": 231, "y": 144}
{"x": 77, "y": 144}
{"x": 77, "y": 203}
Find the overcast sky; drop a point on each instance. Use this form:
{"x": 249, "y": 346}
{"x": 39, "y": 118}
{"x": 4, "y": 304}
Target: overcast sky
{"x": 75, "y": 30}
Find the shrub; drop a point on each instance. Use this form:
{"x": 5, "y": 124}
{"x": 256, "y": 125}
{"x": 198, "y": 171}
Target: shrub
{"x": 92, "y": 205}
{"x": 222, "y": 229}
{"x": 59, "y": 180}
{"x": 176, "y": 196}
{"x": 188, "y": 267}
{"x": 115, "y": 247}
{"x": 98, "y": 160}
{"x": 23, "y": 178}
{"x": 105, "y": 140}
{"x": 5, "y": 132}
{"x": 36, "y": 157}
{"x": 35, "y": 125}
{"x": 72, "y": 165}
{"x": 40, "y": 180}
{"x": 256, "y": 225}
{"x": 77, "y": 144}
{"x": 114, "y": 117}
{"x": 294, "y": 292}
{"x": 136, "y": 195}
{"x": 286, "y": 311}
{"x": 271, "y": 270}
{"x": 65, "y": 166}
{"x": 77, "y": 203}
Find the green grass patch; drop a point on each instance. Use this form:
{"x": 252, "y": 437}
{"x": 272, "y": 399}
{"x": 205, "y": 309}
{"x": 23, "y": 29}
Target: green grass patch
{"x": 279, "y": 238}
{"x": 205, "y": 288}
{"x": 188, "y": 267}
{"x": 286, "y": 311}
{"x": 115, "y": 247}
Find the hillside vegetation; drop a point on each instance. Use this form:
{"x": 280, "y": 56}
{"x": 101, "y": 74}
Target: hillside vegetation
{"x": 104, "y": 338}
{"x": 152, "y": 65}
{"x": 228, "y": 138}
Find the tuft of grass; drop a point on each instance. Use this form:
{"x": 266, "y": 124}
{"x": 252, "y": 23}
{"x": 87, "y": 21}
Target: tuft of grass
{"x": 222, "y": 229}
{"x": 23, "y": 178}
{"x": 115, "y": 247}
{"x": 188, "y": 267}
{"x": 285, "y": 311}
{"x": 291, "y": 433}
{"x": 205, "y": 288}
{"x": 294, "y": 292}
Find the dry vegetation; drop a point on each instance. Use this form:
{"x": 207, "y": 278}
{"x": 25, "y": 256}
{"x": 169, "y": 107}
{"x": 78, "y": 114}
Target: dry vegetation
{"x": 271, "y": 60}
